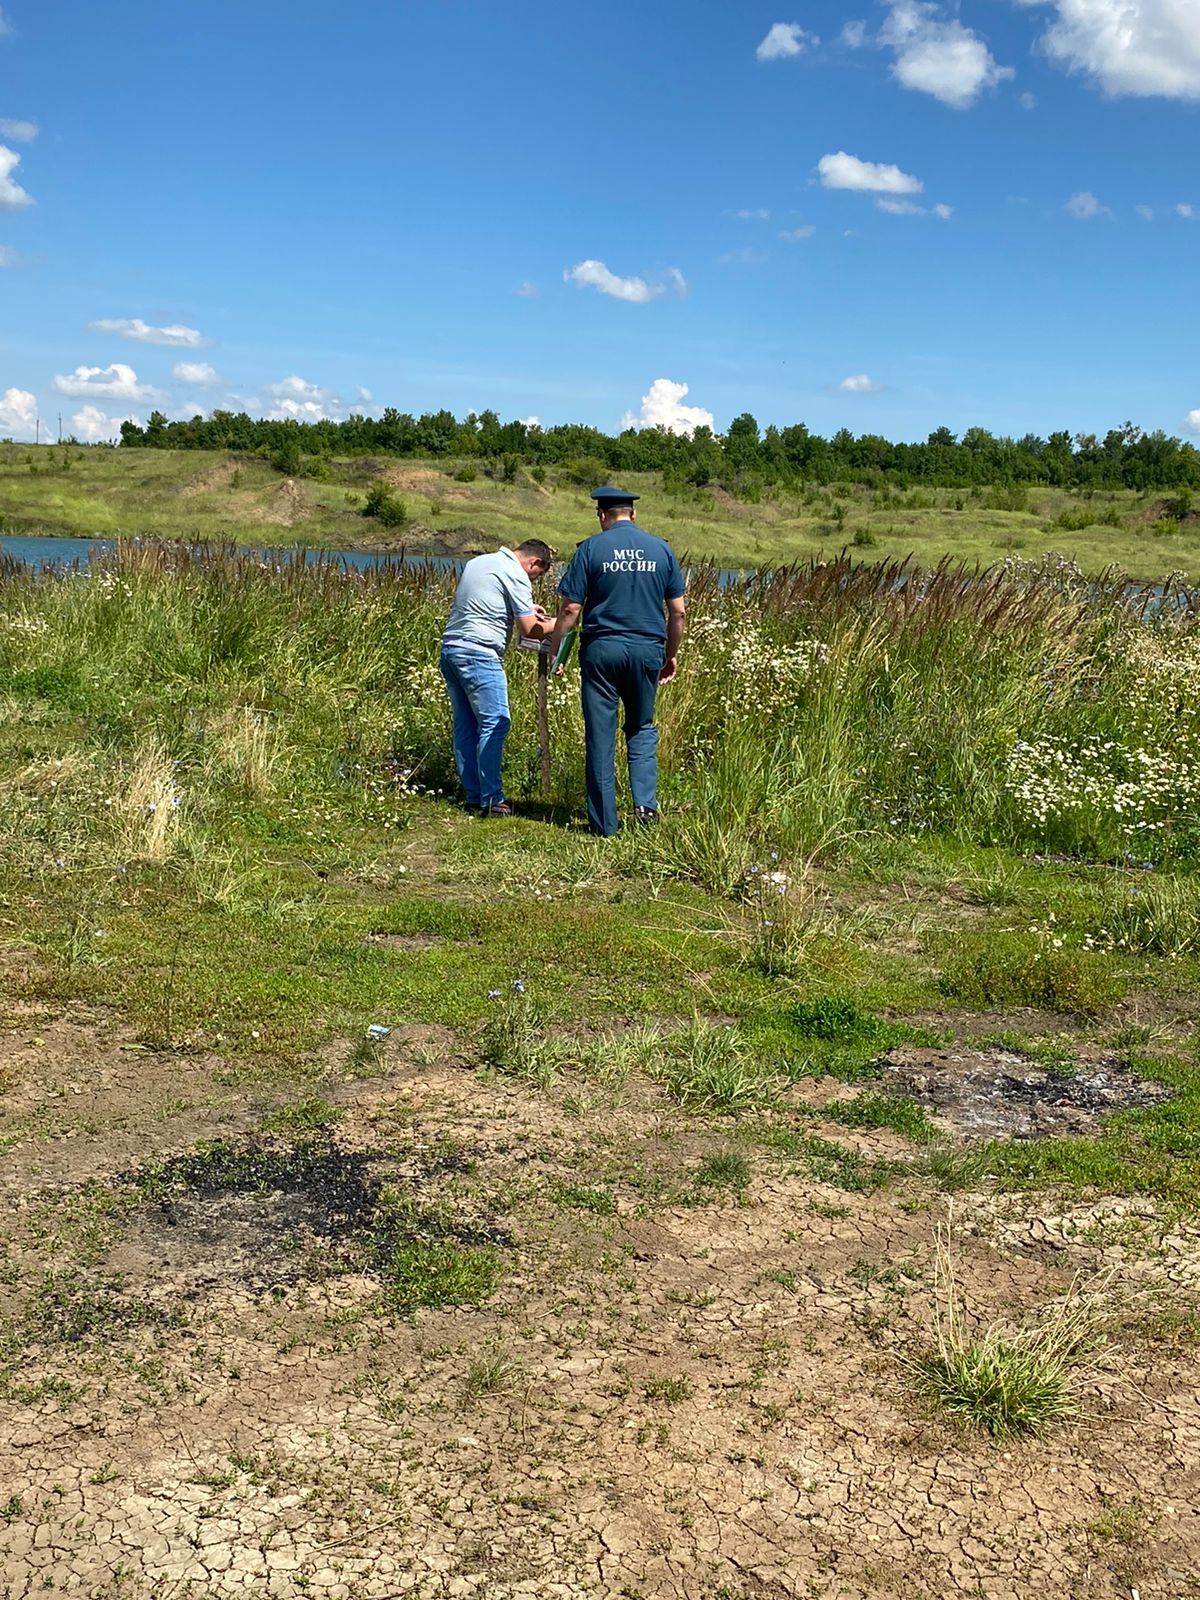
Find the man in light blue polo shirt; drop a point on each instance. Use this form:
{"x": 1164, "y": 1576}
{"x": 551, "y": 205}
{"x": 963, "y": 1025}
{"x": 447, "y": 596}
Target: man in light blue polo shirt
{"x": 493, "y": 593}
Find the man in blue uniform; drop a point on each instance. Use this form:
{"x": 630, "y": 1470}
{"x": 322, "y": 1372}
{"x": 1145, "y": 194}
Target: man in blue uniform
{"x": 628, "y": 586}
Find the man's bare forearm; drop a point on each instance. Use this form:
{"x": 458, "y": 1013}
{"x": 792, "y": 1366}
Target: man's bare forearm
{"x": 675, "y": 626}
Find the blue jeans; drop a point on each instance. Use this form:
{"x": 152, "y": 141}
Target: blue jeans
{"x": 618, "y": 671}
{"x": 478, "y": 693}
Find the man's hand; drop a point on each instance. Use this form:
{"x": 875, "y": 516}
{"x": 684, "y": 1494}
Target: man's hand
{"x": 669, "y": 668}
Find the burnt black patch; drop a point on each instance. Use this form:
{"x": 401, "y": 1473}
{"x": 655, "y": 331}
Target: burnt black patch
{"x": 998, "y": 1094}
{"x": 265, "y": 1214}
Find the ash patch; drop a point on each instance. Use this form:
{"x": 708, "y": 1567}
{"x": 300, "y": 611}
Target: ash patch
{"x": 997, "y": 1094}
{"x": 268, "y": 1215}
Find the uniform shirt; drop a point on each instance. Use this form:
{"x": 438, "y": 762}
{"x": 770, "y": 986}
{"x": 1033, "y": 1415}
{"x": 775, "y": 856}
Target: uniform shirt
{"x": 623, "y": 578}
{"x": 493, "y": 591}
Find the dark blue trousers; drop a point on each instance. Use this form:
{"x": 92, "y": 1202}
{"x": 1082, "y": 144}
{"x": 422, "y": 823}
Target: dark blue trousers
{"x": 617, "y": 672}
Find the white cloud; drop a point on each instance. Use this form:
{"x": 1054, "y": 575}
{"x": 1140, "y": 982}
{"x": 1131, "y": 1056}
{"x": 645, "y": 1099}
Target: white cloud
{"x": 363, "y": 395}
{"x": 90, "y": 423}
{"x": 195, "y": 372}
{"x": 1084, "y": 207}
{"x": 938, "y": 56}
{"x": 306, "y": 402}
{"x": 860, "y": 383}
{"x": 908, "y": 208}
{"x": 6, "y": 26}
{"x": 1135, "y": 47}
{"x": 527, "y": 290}
{"x": 8, "y": 256}
{"x": 793, "y": 235}
{"x": 117, "y": 382}
{"x": 1027, "y": 101}
{"x": 1145, "y": 212}
{"x": 662, "y": 407}
{"x": 531, "y": 422}
{"x": 840, "y": 171}
{"x": 18, "y": 408}
{"x": 134, "y": 328}
{"x": 12, "y": 196}
{"x": 15, "y": 128}
{"x": 853, "y": 35}
{"x": 757, "y": 214}
{"x": 785, "y": 39}
{"x": 1186, "y": 211}
{"x": 595, "y": 275}
{"x": 1191, "y": 423}
{"x": 747, "y": 257}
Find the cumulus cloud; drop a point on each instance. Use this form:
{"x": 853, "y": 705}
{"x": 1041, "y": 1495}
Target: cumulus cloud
{"x": 134, "y": 328}
{"x": 1027, "y": 101}
{"x": 18, "y": 409}
{"x": 794, "y": 235}
{"x": 853, "y": 35}
{"x": 595, "y": 275}
{"x": 840, "y": 171}
{"x": 117, "y": 382}
{"x": 91, "y": 423}
{"x": 784, "y": 40}
{"x": 1128, "y": 47}
{"x": 662, "y": 407}
{"x": 937, "y": 55}
{"x": 15, "y": 128}
{"x": 527, "y": 290}
{"x": 530, "y": 422}
{"x": 1186, "y": 211}
{"x": 1084, "y": 207}
{"x": 306, "y": 402}
{"x": 195, "y": 372}
{"x": 1191, "y": 423}
{"x": 860, "y": 383}
{"x": 12, "y": 196}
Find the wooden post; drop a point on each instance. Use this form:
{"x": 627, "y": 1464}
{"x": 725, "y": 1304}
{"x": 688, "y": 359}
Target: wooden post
{"x": 543, "y": 710}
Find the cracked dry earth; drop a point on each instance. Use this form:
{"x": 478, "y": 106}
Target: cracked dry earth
{"x": 686, "y": 1399}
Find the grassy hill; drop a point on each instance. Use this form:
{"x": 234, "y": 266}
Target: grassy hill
{"x": 218, "y": 496}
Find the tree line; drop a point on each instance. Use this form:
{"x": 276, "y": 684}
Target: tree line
{"x": 1126, "y": 457}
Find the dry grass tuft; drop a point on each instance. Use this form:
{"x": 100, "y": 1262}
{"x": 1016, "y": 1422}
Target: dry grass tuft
{"x": 1009, "y": 1380}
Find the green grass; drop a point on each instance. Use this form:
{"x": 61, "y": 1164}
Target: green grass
{"x": 1002, "y": 1380}
{"x": 209, "y": 495}
{"x": 312, "y": 880}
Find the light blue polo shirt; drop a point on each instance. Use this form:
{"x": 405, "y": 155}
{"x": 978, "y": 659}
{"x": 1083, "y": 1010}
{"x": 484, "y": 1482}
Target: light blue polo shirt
{"x": 492, "y": 593}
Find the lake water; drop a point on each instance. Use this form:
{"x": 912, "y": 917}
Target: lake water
{"x": 37, "y": 552}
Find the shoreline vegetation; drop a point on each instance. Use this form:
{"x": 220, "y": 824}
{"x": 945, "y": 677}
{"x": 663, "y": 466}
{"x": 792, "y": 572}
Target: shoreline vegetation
{"x": 454, "y": 507}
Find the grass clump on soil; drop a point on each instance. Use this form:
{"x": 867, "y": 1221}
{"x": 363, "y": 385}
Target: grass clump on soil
{"x": 1003, "y": 1380}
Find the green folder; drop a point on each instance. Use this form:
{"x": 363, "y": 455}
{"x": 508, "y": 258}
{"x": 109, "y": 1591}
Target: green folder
{"x": 564, "y": 649}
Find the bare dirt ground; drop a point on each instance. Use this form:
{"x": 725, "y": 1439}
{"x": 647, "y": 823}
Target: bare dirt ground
{"x": 672, "y": 1391}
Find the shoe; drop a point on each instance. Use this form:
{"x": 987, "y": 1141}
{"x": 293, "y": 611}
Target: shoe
{"x": 645, "y": 816}
{"x": 500, "y": 809}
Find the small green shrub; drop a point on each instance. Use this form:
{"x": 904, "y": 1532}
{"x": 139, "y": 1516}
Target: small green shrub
{"x": 726, "y": 1169}
{"x": 708, "y": 1068}
{"x": 1157, "y": 916}
{"x": 388, "y": 509}
{"x": 466, "y": 474}
{"x": 864, "y": 539}
{"x": 884, "y": 1111}
{"x": 838, "y": 1019}
{"x": 1010, "y": 969}
{"x": 443, "y": 1273}
{"x": 672, "y": 1390}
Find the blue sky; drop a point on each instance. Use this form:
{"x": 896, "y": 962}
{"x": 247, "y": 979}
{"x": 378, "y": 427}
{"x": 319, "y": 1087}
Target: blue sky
{"x": 885, "y": 216}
